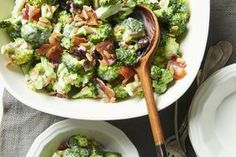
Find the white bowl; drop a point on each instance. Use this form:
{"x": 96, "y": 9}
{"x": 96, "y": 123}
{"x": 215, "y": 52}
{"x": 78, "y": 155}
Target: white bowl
{"x": 112, "y": 138}
{"x": 193, "y": 47}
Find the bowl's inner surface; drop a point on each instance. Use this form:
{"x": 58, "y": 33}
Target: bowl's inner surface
{"x": 193, "y": 47}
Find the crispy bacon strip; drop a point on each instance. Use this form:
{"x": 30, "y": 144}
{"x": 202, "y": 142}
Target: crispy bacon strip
{"x": 51, "y": 50}
{"x": 108, "y": 91}
{"x": 106, "y": 50}
{"x": 76, "y": 41}
{"x": 127, "y": 73}
{"x": 31, "y": 12}
{"x": 177, "y": 66}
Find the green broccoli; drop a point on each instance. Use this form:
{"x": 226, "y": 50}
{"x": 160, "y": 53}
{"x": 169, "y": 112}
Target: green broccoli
{"x": 72, "y": 63}
{"x": 19, "y": 51}
{"x": 174, "y": 14}
{"x": 63, "y": 17}
{"x": 107, "y": 2}
{"x": 41, "y": 2}
{"x": 120, "y": 92}
{"x": 168, "y": 47}
{"x": 66, "y": 42}
{"x": 89, "y": 91}
{"x": 41, "y": 75}
{"x": 105, "y": 12}
{"x": 129, "y": 30}
{"x": 96, "y": 152}
{"x": 13, "y": 27}
{"x": 178, "y": 24}
{"x": 127, "y": 56}
{"x": 82, "y": 2}
{"x": 35, "y": 34}
{"x": 66, "y": 79}
{"x": 101, "y": 33}
{"x": 76, "y": 152}
{"x": 146, "y": 3}
{"x": 161, "y": 78}
{"x": 78, "y": 140}
{"x": 108, "y": 73}
{"x": 127, "y": 9}
{"x": 112, "y": 154}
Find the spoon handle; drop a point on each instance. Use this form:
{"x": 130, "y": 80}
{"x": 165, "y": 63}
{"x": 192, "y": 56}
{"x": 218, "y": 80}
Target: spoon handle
{"x": 154, "y": 119}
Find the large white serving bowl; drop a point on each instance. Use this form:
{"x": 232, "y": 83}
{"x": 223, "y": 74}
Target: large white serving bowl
{"x": 193, "y": 47}
{"x": 111, "y": 137}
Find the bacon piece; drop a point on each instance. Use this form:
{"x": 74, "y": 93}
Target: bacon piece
{"x": 31, "y": 12}
{"x": 127, "y": 73}
{"x": 76, "y": 41}
{"x": 107, "y": 90}
{"x": 51, "y": 50}
{"x": 177, "y": 66}
{"x": 106, "y": 50}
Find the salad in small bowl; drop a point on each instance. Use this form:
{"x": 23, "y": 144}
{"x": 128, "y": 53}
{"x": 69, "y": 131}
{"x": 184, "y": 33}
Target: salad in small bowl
{"x": 77, "y": 138}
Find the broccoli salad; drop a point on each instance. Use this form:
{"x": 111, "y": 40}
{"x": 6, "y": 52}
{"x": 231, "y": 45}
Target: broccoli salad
{"x": 88, "y": 48}
{"x": 81, "y": 146}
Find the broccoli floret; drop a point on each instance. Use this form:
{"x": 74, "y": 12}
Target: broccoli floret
{"x": 168, "y": 47}
{"x": 5, "y": 24}
{"x": 48, "y": 11}
{"x": 66, "y": 79}
{"x": 89, "y": 91}
{"x": 36, "y": 34}
{"x": 101, "y": 33}
{"x": 127, "y": 56}
{"x": 13, "y": 27}
{"x": 41, "y": 75}
{"x": 76, "y": 152}
{"x": 129, "y": 30}
{"x": 78, "y": 140}
{"x": 108, "y": 73}
{"x": 175, "y": 14}
{"x": 146, "y": 3}
{"x": 120, "y": 92}
{"x": 105, "y": 12}
{"x": 107, "y": 2}
{"x": 112, "y": 154}
{"x": 66, "y": 42}
{"x": 63, "y": 17}
{"x": 19, "y": 52}
{"x": 82, "y": 2}
{"x": 161, "y": 79}
{"x": 72, "y": 63}
{"x": 96, "y": 152}
{"x": 41, "y": 2}
{"x": 127, "y": 9}
{"x": 178, "y": 24}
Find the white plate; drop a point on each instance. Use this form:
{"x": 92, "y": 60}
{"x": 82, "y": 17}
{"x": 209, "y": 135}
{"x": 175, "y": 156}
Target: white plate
{"x": 193, "y": 47}
{"x": 212, "y": 115}
{"x": 112, "y": 138}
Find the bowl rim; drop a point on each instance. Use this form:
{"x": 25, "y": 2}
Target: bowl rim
{"x": 166, "y": 103}
{"x": 69, "y": 124}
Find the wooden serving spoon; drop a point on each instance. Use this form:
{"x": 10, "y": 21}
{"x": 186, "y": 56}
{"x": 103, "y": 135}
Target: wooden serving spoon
{"x": 143, "y": 70}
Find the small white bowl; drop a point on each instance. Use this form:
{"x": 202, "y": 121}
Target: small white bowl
{"x": 111, "y": 137}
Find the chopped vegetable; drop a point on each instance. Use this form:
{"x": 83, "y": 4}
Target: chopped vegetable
{"x": 81, "y": 146}
{"x": 89, "y": 49}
